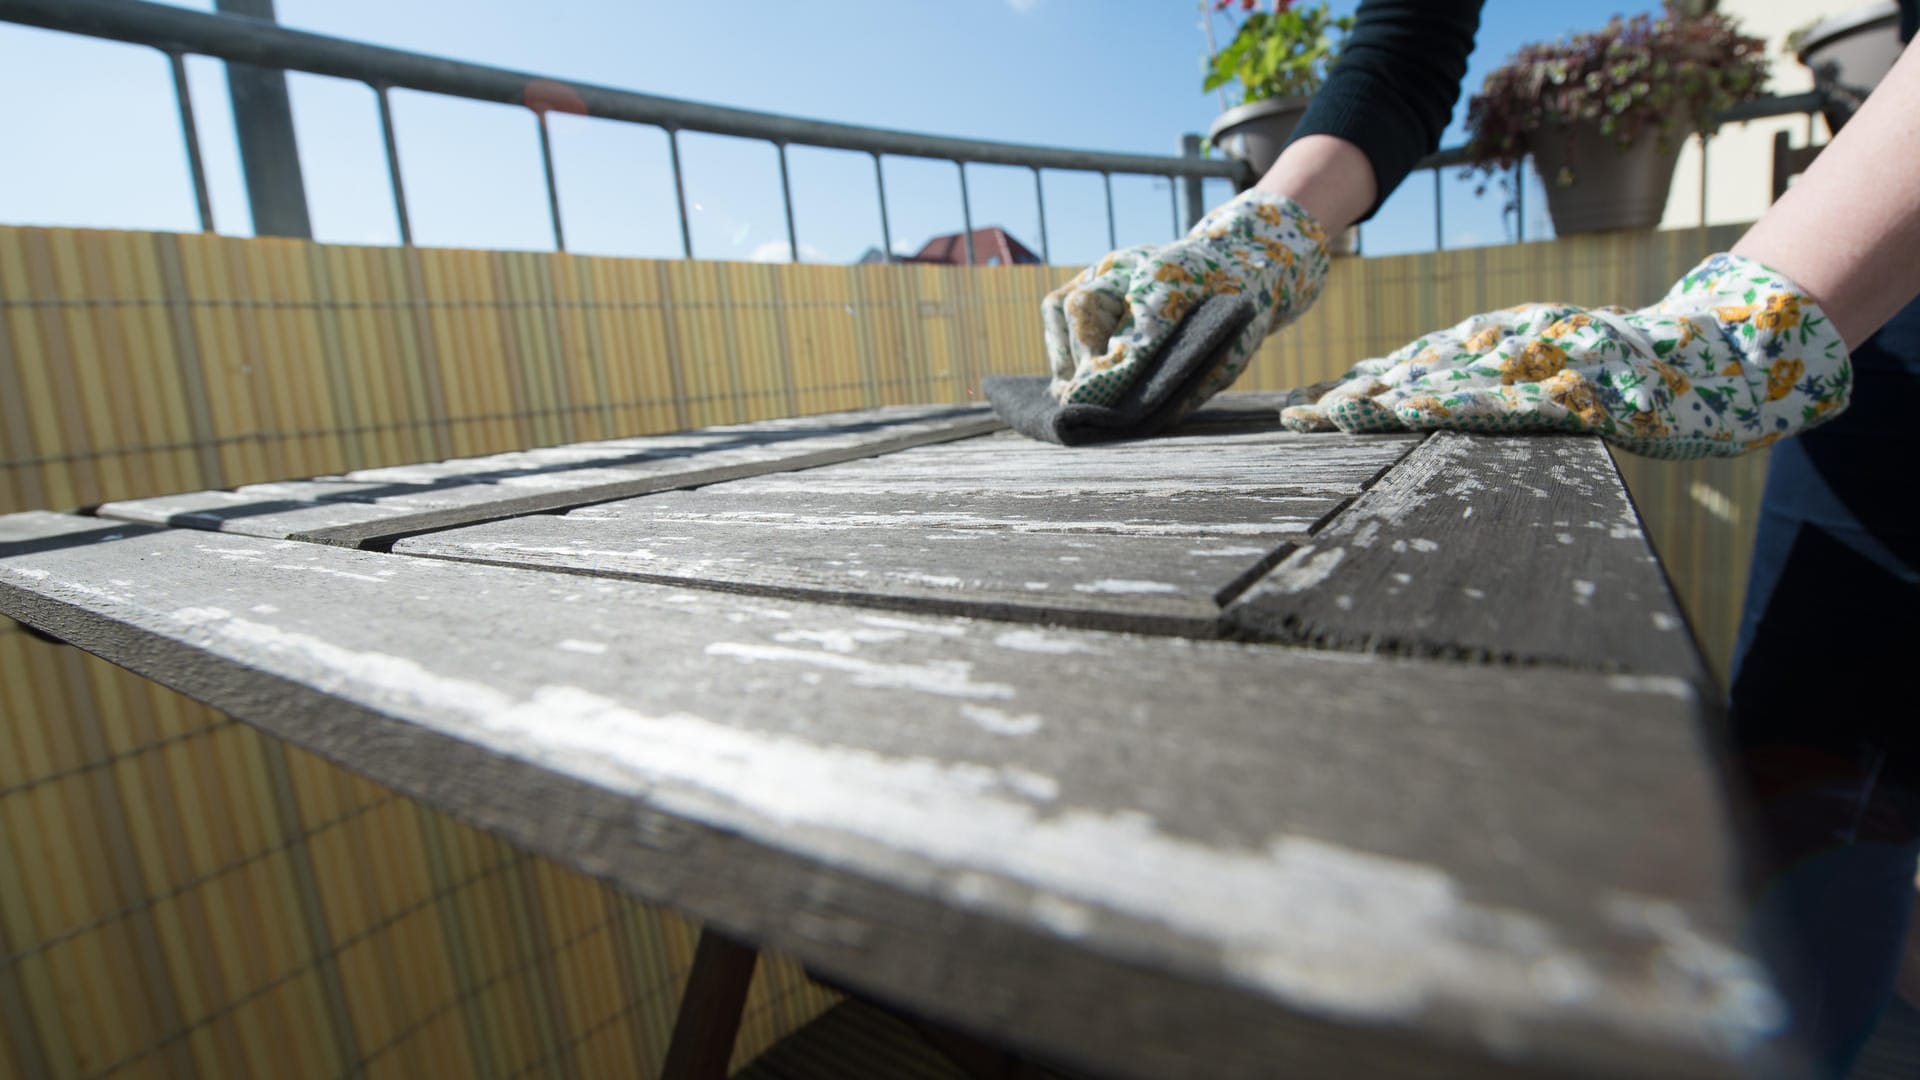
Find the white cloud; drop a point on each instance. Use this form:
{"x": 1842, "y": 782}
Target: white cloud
{"x": 777, "y": 251}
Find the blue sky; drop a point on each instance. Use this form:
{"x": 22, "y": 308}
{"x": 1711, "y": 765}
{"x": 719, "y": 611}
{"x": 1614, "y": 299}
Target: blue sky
{"x": 93, "y": 137}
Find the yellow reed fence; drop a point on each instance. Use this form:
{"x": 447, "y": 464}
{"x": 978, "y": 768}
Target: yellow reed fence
{"x": 181, "y": 896}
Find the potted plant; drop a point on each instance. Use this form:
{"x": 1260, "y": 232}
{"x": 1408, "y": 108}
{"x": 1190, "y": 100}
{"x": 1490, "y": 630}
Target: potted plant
{"x": 1849, "y": 54}
{"x": 1278, "y": 57}
{"x": 1604, "y": 113}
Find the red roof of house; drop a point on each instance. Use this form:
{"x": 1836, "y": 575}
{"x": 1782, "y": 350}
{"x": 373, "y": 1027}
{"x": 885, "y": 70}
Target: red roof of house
{"x": 992, "y": 246}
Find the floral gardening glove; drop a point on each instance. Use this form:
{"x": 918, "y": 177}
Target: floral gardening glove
{"x": 1734, "y": 357}
{"x": 1105, "y": 328}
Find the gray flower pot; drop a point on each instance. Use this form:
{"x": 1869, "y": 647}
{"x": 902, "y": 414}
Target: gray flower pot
{"x": 1592, "y": 185}
{"x": 1849, "y": 54}
{"x": 1256, "y": 132}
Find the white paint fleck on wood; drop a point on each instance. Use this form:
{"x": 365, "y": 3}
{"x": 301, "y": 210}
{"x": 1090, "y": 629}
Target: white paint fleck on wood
{"x": 1652, "y": 684}
{"x": 1306, "y": 569}
{"x": 1126, "y": 586}
{"x": 841, "y": 640}
{"x": 1041, "y": 641}
{"x": 1002, "y": 723}
{"x": 949, "y": 678}
{"x": 911, "y": 626}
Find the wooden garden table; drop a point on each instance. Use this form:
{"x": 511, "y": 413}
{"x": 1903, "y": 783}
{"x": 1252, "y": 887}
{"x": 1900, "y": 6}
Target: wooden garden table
{"x": 1230, "y": 753}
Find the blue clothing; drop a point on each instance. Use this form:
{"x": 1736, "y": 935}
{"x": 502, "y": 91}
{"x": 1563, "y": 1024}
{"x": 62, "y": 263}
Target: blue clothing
{"x": 1831, "y": 599}
{"x": 1827, "y": 732}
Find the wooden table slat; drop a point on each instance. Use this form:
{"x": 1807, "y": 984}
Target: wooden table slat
{"x": 1154, "y": 584}
{"x": 1139, "y": 856}
{"x": 1272, "y": 461}
{"x": 1177, "y": 530}
{"x": 1518, "y": 550}
{"x": 373, "y": 507}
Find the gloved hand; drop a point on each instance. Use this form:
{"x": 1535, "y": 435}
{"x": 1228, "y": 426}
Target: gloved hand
{"x": 1734, "y": 357}
{"x": 1106, "y": 327}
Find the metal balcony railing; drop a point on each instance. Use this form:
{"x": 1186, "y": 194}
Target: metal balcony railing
{"x": 262, "y": 43}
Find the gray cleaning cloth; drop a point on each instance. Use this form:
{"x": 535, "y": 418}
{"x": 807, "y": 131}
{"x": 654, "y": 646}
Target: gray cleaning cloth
{"x": 1149, "y": 406}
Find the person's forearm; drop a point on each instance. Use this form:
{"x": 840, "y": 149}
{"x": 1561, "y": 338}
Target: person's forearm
{"x": 1329, "y": 177}
{"x": 1392, "y": 91}
{"x": 1848, "y": 231}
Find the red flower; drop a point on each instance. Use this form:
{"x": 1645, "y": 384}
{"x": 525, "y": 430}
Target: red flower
{"x": 1282, "y": 5}
{"x": 1247, "y": 5}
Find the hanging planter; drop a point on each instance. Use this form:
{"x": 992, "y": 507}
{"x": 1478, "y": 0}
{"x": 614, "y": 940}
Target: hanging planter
{"x": 1603, "y": 114}
{"x": 1849, "y": 54}
{"x": 1594, "y": 185}
{"x": 1257, "y": 131}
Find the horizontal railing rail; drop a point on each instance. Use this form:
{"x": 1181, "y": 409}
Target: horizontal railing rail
{"x": 239, "y": 39}
{"x": 178, "y": 32}
{"x": 265, "y": 44}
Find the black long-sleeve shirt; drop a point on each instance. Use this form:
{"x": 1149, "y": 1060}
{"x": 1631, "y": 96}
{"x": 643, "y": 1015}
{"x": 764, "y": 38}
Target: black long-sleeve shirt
{"x": 1393, "y": 89}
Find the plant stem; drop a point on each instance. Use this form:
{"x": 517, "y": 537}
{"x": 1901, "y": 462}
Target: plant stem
{"x": 1213, "y": 50}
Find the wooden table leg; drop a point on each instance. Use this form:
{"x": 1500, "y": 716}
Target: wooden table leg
{"x": 710, "y": 1009}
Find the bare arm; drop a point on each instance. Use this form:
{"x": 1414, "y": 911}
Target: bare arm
{"x": 1383, "y": 107}
{"x": 1848, "y": 231}
{"x": 1326, "y": 175}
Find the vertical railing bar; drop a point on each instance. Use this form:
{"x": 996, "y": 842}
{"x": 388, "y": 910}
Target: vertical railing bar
{"x": 786, "y": 199}
{"x": 679, "y": 191}
{"x": 1520, "y": 201}
{"x": 1113, "y": 234}
{"x": 1704, "y": 139}
{"x": 886, "y": 229}
{"x": 393, "y": 164}
{"x": 966, "y": 211}
{"x": 1173, "y": 197}
{"x": 1040, "y": 200}
{"x": 191, "y": 132}
{"x": 553, "y": 189}
{"x": 1439, "y": 216}
{"x": 1195, "y": 186}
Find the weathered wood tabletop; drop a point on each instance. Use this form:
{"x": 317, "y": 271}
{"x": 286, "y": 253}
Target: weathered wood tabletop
{"x": 1230, "y": 753}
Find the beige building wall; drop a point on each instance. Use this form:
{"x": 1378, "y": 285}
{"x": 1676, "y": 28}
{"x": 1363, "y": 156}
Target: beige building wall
{"x": 1739, "y": 180}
